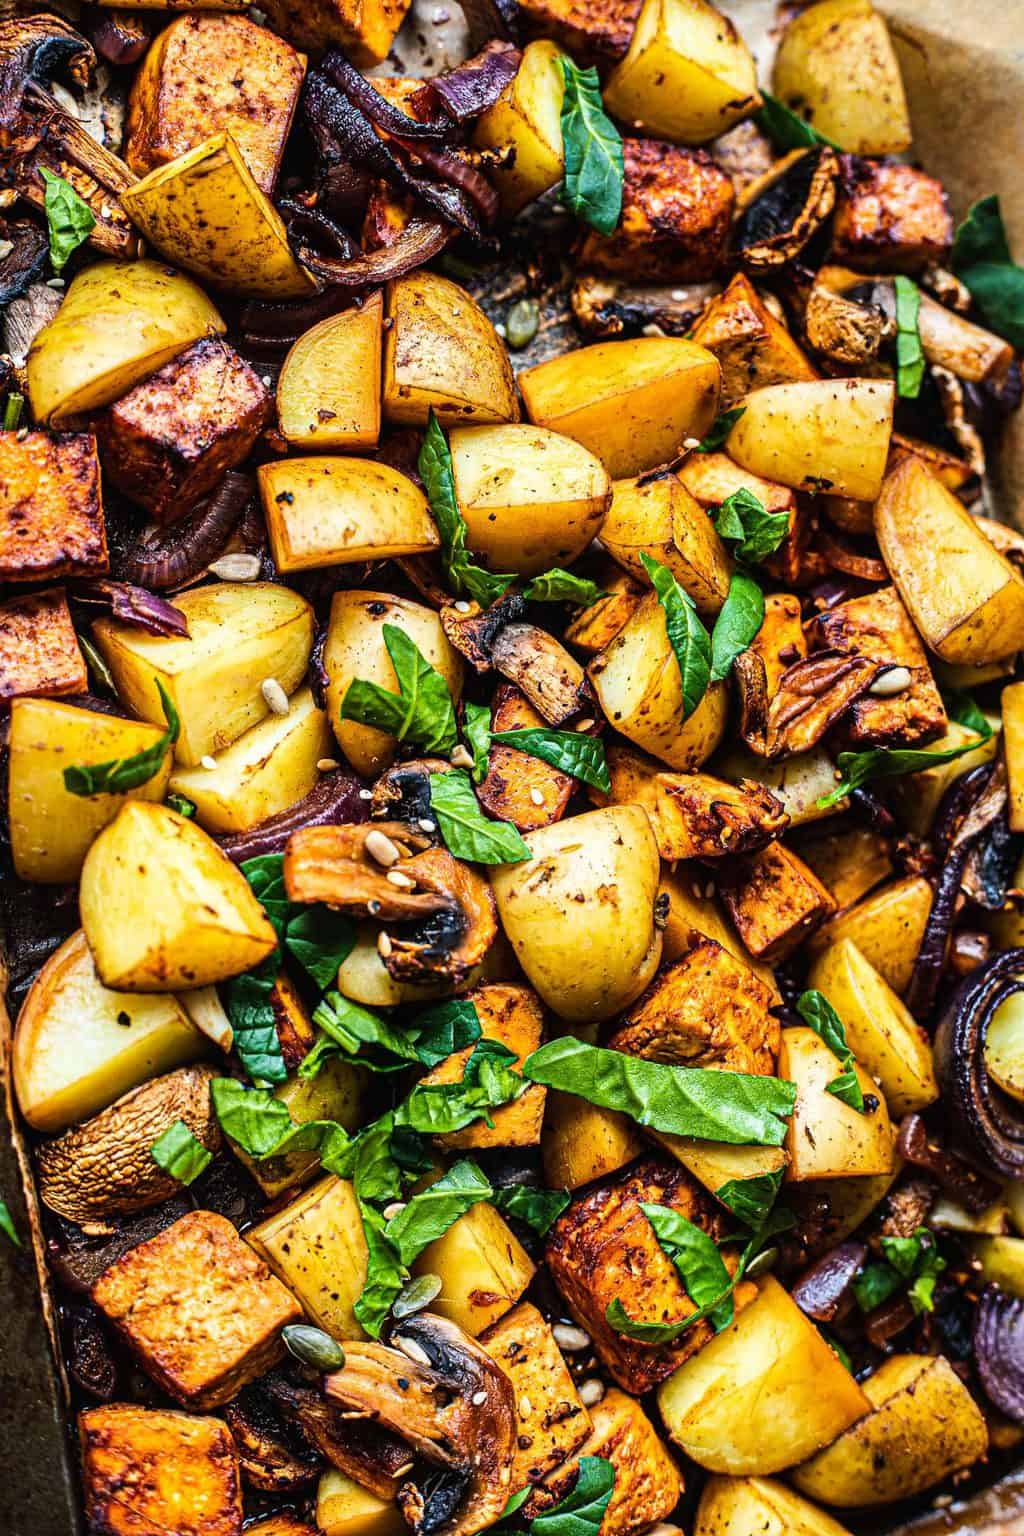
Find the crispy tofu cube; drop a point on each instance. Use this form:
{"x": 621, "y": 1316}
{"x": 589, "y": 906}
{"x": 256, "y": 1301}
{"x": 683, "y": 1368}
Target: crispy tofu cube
{"x": 200, "y": 1311}
{"x": 51, "y": 510}
{"x": 781, "y": 640}
{"x": 593, "y": 31}
{"x": 890, "y": 217}
{"x": 706, "y": 1009}
{"x": 676, "y": 215}
{"x": 207, "y": 73}
{"x": 593, "y": 630}
{"x": 168, "y": 441}
{"x": 694, "y": 815}
{"x": 711, "y": 478}
{"x": 775, "y": 901}
{"x": 552, "y": 1421}
{"x": 753, "y": 347}
{"x": 878, "y": 625}
{"x": 512, "y": 1015}
{"x": 316, "y": 1246}
{"x": 603, "y": 1248}
{"x": 151, "y": 1472}
{"x": 365, "y": 29}
{"x": 39, "y": 652}
{"x": 648, "y": 1482}
{"x": 512, "y": 776}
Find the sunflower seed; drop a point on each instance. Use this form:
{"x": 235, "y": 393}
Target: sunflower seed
{"x": 412, "y": 1349}
{"x": 591, "y": 1391}
{"x": 238, "y": 567}
{"x": 383, "y": 945}
{"x": 892, "y": 681}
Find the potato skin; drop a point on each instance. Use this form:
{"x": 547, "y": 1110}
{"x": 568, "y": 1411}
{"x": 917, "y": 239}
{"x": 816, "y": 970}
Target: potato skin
{"x": 441, "y": 351}
{"x": 51, "y": 507}
{"x": 694, "y": 815}
{"x": 887, "y": 927}
{"x": 39, "y": 652}
{"x": 527, "y": 116}
{"x": 827, "y": 434}
{"x": 737, "y": 1506}
{"x": 315, "y": 1245}
{"x": 148, "y": 1469}
{"x": 752, "y": 345}
{"x": 328, "y": 390}
{"x": 827, "y": 1138}
{"x": 836, "y": 65}
{"x": 581, "y": 1142}
{"x": 342, "y": 510}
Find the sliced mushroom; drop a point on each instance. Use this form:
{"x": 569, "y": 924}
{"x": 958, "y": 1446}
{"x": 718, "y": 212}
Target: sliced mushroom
{"x": 844, "y": 329}
{"x": 606, "y": 306}
{"x": 402, "y": 793}
{"x": 342, "y": 867}
{"x": 811, "y": 696}
{"x": 26, "y": 249}
{"x": 448, "y": 944}
{"x": 32, "y": 50}
{"x": 374, "y": 1457}
{"x": 949, "y": 340}
{"x": 436, "y": 1388}
{"x": 552, "y": 680}
{"x": 24, "y": 317}
{"x": 473, "y": 630}
{"x": 272, "y": 1459}
{"x": 784, "y": 208}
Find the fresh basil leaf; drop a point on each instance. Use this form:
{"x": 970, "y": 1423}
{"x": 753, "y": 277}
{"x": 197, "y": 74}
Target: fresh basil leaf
{"x": 7, "y": 1226}
{"x": 581, "y": 1512}
{"x": 902, "y": 1253}
{"x": 536, "y": 1208}
{"x": 687, "y": 636}
{"x": 352, "y": 1028}
{"x": 857, "y": 768}
{"x": 515, "y": 1503}
{"x": 182, "y": 804}
{"x": 444, "y": 1029}
{"x": 962, "y": 708}
{"x": 261, "y": 1126}
{"x": 180, "y": 1154}
{"x": 490, "y": 1080}
{"x": 593, "y": 151}
{"x": 817, "y": 1012}
{"x": 735, "y": 1107}
{"x": 982, "y": 260}
{"x": 785, "y": 129}
{"x": 438, "y": 476}
{"x": 558, "y": 586}
{"x": 571, "y": 751}
{"x": 982, "y": 236}
{"x": 421, "y": 712}
{"x": 320, "y": 939}
{"x": 466, "y": 831}
{"x": 14, "y": 405}
{"x": 121, "y": 774}
{"x": 476, "y": 727}
{"x": 248, "y": 1001}
{"x": 266, "y": 879}
{"x": 385, "y": 1274}
{"x": 875, "y": 1284}
{"x": 428, "y": 1215}
{"x": 741, "y": 617}
{"x": 697, "y": 1259}
{"x": 747, "y": 523}
{"x": 69, "y": 219}
{"x": 720, "y": 429}
{"x": 647, "y": 1333}
{"x": 751, "y": 1199}
{"x": 910, "y": 360}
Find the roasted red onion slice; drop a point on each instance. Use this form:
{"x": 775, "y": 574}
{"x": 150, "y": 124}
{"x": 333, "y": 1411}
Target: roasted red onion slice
{"x": 986, "y": 1124}
{"x": 419, "y": 241}
{"x": 383, "y": 113}
{"x": 999, "y": 1350}
{"x": 458, "y": 173}
{"x": 131, "y": 605}
{"x": 470, "y": 89}
{"x": 973, "y": 1190}
{"x": 167, "y": 556}
{"x": 825, "y": 1291}
{"x": 335, "y": 799}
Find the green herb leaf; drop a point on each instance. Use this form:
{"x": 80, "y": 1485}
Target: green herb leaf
{"x": 720, "y": 429}
{"x": 875, "y": 1284}
{"x": 697, "y": 1259}
{"x": 13, "y": 407}
{"x": 785, "y": 129}
{"x": 428, "y": 1216}
{"x": 735, "y": 1107}
{"x": 70, "y": 220}
{"x": 571, "y": 751}
{"x": 421, "y": 712}
{"x": 858, "y": 768}
{"x": 249, "y": 1006}
{"x": 751, "y": 1199}
{"x": 581, "y": 1512}
{"x": 385, "y": 1273}
{"x": 558, "y": 586}
{"x": 746, "y": 523}
{"x": 7, "y": 1226}
{"x": 982, "y": 260}
{"x": 737, "y": 624}
{"x": 910, "y": 358}
{"x": 321, "y": 940}
{"x": 593, "y": 151}
{"x": 476, "y": 728}
{"x": 180, "y": 1154}
{"x": 438, "y": 476}
{"x": 687, "y": 636}
{"x": 266, "y": 879}
{"x": 261, "y": 1126}
{"x": 537, "y": 1208}
{"x": 182, "y": 804}
{"x": 466, "y": 831}
{"x": 444, "y": 1029}
{"x": 962, "y": 708}
{"x": 365, "y": 1036}
{"x": 121, "y": 774}
{"x": 491, "y": 1079}
{"x": 816, "y": 1011}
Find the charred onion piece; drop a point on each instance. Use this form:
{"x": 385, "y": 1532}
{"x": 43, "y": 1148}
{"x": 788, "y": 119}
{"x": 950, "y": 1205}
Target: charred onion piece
{"x": 450, "y": 943}
{"x": 131, "y": 605}
{"x": 468, "y": 90}
{"x": 276, "y": 325}
{"x": 973, "y": 1190}
{"x": 374, "y": 1457}
{"x": 999, "y": 1350}
{"x": 456, "y": 1410}
{"x": 884, "y": 1322}
{"x": 458, "y": 173}
{"x": 121, "y": 38}
{"x": 334, "y": 865}
{"x": 985, "y": 1122}
{"x": 381, "y": 112}
{"x": 842, "y": 557}
{"x": 825, "y": 1291}
{"x": 334, "y": 798}
{"x": 314, "y": 224}
{"x": 420, "y": 241}
{"x": 786, "y": 207}
{"x": 168, "y": 556}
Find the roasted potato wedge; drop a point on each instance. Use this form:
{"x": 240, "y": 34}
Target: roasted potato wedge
{"x": 753, "y": 347}
{"x": 659, "y": 517}
{"x": 328, "y": 390}
{"x": 837, "y": 67}
{"x": 694, "y": 913}
{"x": 344, "y": 1508}
{"x": 828, "y": 434}
{"x": 315, "y": 1245}
{"x": 737, "y": 1506}
{"x": 581, "y": 1142}
{"x": 337, "y": 511}
{"x": 483, "y": 1266}
{"x": 827, "y": 1138}
{"x": 442, "y": 353}
{"x": 887, "y": 928}
{"x": 527, "y": 116}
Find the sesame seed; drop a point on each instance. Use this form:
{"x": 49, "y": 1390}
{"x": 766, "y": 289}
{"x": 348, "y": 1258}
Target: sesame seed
{"x": 380, "y": 848}
{"x": 591, "y": 1392}
{"x": 327, "y": 764}
{"x": 267, "y": 381}
{"x": 274, "y": 696}
{"x": 678, "y": 295}
{"x": 239, "y": 567}
{"x": 568, "y": 1336}
{"x": 383, "y": 945}
{"x": 536, "y": 796}
{"x": 208, "y": 762}
{"x": 691, "y": 442}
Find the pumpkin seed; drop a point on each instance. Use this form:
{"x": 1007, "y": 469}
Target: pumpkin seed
{"x": 522, "y": 323}
{"x": 760, "y": 1265}
{"x": 313, "y": 1347}
{"x": 419, "y": 1293}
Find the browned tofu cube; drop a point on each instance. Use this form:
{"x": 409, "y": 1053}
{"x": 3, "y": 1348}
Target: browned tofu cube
{"x": 365, "y": 29}
{"x": 774, "y": 900}
{"x": 695, "y": 816}
{"x": 877, "y": 625}
{"x": 512, "y": 1015}
{"x": 593, "y": 31}
{"x": 552, "y": 1421}
{"x": 154, "y": 1472}
{"x": 707, "y": 1009}
{"x": 753, "y": 347}
{"x": 593, "y": 630}
{"x": 202, "y": 1313}
{"x": 712, "y": 477}
{"x": 205, "y": 74}
{"x": 51, "y": 511}
{"x": 39, "y": 652}
{"x": 295, "y": 1029}
{"x": 648, "y": 1483}
{"x": 169, "y": 440}
{"x": 513, "y": 776}
{"x": 781, "y": 640}
{"x": 603, "y": 1249}
{"x": 890, "y": 217}
{"x": 676, "y": 214}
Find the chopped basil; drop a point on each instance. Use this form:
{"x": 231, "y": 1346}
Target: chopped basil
{"x": 69, "y": 219}
{"x": 720, "y": 429}
{"x": 910, "y": 358}
{"x": 14, "y": 405}
{"x": 428, "y": 1215}
{"x": 593, "y": 151}
{"x": 537, "y": 1208}
{"x": 476, "y": 728}
{"x": 817, "y": 1012}
{"x": 121, "y": 774}
{"x": 687, "y": 636}
{"x": 751, "y": 1199}
{"x": 491, "y": 1079}
{"x": 581, "y": 1512}
{"x": 697, "y": 1259}
{"x": 755, "y": 532}
{"x": 182, "y": 804}
{"x": 437, "y": 474}
{"x": 444, "y": 1029}
{"x": 558, "y": 586}
{"x": 466, "y": 831}
{"x": 571, "y": 751}
{"x": 912, "y": 1262}
{"x": 368, "y": 1038}
{"x": 180, "y": 1153}
{"x": 785, "y": 129}
{"x": 320, "y": 940}
{"x": 7, "y": 1226}
{"x": 421, "y": 712}
{"x": 737, "y": 624}
{"x": 982, "y": 260}
{"x": 857, "y": 768}
{"x": 248, "y": 1002}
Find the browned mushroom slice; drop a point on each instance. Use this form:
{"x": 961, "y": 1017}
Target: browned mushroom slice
{"x": 845, "y": 329}
{"x": 32, "y": 50}
{"x": 811, "y": 696}
{"x": 271, "y": 1459}
{"x": 784, "y": 208}
{"x": 347, "y": 867}
{"x": 440, "y": 1391}
{"x": 451, "y": 942}
{"x": 473, "y": 630}
{"x": 374, "y": 1457}
{"x": 608, "y": 306}
{"x": 541, "y": 667}
{"x": 402, "y": 793}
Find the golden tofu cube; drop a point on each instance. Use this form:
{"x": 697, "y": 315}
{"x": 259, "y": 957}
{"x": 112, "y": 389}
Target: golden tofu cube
{"x": 514, "y": 777}
{"x": 552, "y": 1421}
{"x": 365, "y": 29}
{"x": 51, "y": 510}
{"x": 753, "y": 347}
{"x": 39, "y": 651}
{"x": 593, "y": 31}
{"x": 774, "y": 901}
{"x": 483, "y": 1266}
{"x": 890, "y": 217}
{"x": 695, "y": 816}
{"x": 200, "y": 1311}
{"x": 150, "y": 1470}
{"x": 316, "y": 1246}
{"x": 781, "y": 640}
{"x": 512, "y": 1015}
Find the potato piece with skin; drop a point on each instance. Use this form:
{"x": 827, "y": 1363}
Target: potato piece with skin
{"x": 633, "y": 403}
{"x": 203, "y": 74}
{"x": 328, "y": 390}
{"x": 51, "y": 507}
{"x": 355, "y": 648}
{"x": 514, "y": 777}
{"x": 552, "y": 1422}
{"x": 204, "y": 212}
{"x": 530, "y": 498}
{"x": 344, "y": 1508}
{"x": 737, "y": 1506}
{"x": 39, "y": 652}
{"x": 483, "y": 1266}
{"x": 581, "y": 1142}
{"x": 763, "y": 1394}
{"x": 827, "y": 1138}
{"x": 594, "y": 628}
{"x": 836, "y": 66}
{"x": 687, "y": 77}
{"x": 240, "y": 634}
{"x": 880, "y": 1029}
{"x": 965, "y": 598}
{"x": 78, "y": 1046}
{"x": 513, "y": 1016}
{"x": 923, "y": 1425}
{"x": 801, "y": 782}
{"x": 335, "y": 1093}
{"x": 442, "y": 353}
{"x": 151, "y": 1469}
{"x": 832, "y": 434}
{"x": 120, "y": 321}
{"x": 315, "y": 1245}
{"x": 340, "y": 511}
{"x": 580, "y": 912}
{"x": 638, "y": 684}
{"x": 694, "y": 913}
{"x": 163, "y": 908}
{"x": 753, "y": 347}
{"x": 918, "y": 795}
{"x": 717, "y": 1163}
{"x": 527, "y": 115}
{"x": 713, "y": 477}
{"x": 774, "y": 900}
{"x": 51, "y": 829}
{"x": 659, "y": 517}
{"x": 887, "y": 927}
{"x": 850, "y": 863}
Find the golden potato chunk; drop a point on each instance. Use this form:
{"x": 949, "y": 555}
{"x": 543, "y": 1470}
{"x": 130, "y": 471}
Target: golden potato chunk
{"x": 168, "y": 442}
{"x": 676, "y": 213}
{"x": 200, "y": 1311}
{"x": 752, "y": 345}
{"x": 582, "y": 1142}
{"x": 890, "y": 217}
{"x": 887, "y": 926}
{"x": 775, "y": 901}
{"x": 694, "y": 815}
{"x": 203, "y": 74}
{"x": 656, "y": 515}
{"x": 316, "y": 1246}
{"x": 148, "y": 1470}
{"x": 51, "y": 509}
{"x": 39, "y": 652}
{"x": 593, "y": 31}
{"x": 442, "y": 353}
{"x": 828, "y": 1138}
{"x": 552, "y": 1421}
{"x": 850, "y": 862}
{"x": 364, "y": 28}
{"x": 512, "y": 1015}
{"x": 483, "y": 1266}
{"x": 514, "y": 777}
{"x": 836, "y": 66}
